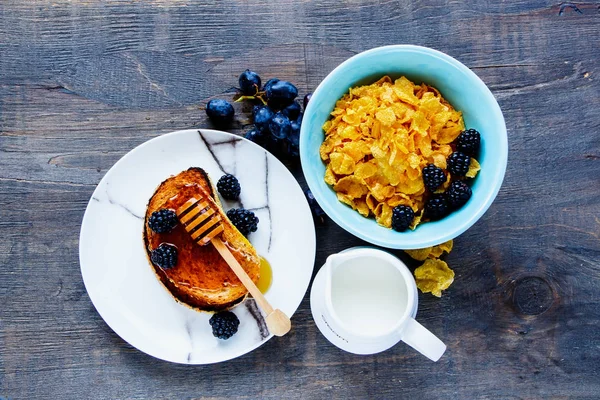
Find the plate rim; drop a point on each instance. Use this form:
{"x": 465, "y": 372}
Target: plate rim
{"x": 86, "y": 218}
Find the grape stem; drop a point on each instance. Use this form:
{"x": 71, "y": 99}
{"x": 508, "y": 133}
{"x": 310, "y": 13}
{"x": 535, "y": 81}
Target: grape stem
{"x": 258, "y": 95}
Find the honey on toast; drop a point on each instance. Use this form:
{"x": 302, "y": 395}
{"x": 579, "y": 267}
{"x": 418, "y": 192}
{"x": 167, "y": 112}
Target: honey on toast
{"x": 201, "y": 278}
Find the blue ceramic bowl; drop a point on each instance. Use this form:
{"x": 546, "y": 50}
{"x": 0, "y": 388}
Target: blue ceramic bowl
{"x": 460, "y": 86}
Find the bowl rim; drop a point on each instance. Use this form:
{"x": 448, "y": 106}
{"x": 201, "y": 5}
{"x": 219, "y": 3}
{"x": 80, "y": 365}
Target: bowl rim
{"x": 403, "y": 240}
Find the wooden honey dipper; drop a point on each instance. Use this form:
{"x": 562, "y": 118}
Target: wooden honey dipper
{"x": 201, "y": 219}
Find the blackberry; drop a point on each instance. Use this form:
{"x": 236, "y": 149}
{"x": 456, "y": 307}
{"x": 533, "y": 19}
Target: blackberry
{"x": 244, "y": 220}
{"x": 163, "y": 221}
{"x": 229, "y": 187}
{"x": 433, "y": 177}
{"x": 402, "y": 217}
{"x": 224, "y": 324}
{"x": 458, "y": 194}
{"x": 436, "y": 207}
{"x": 165, "y": 256}
{"x": 468, "y": 142}
{"x": 458, "y": 163}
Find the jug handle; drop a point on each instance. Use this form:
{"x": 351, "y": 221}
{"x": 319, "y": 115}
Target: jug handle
{"x": 421, "y": 339}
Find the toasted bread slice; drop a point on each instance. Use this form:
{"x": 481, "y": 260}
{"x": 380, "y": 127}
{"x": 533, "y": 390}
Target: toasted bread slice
{"x": 201, "y": 278}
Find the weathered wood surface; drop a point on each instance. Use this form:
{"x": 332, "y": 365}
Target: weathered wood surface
{"x": 83, "y": 82}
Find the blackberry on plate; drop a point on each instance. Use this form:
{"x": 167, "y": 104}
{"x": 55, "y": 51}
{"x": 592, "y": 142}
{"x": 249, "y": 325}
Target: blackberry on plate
{"x": 436, "y": 207}
{"x": 249, "y": 82}
{"x": 163, "y": 221}
{"x": 220, "y": 111}
{"x": 433, "y": 177}
{"x": 458, "y": 163}
{"x": 458, "y": 194}
{"x": 229, "y": 187}
{"x": 468, "y": 142}
{"x": 164, "y": 256}
{"x": 224, "y": 324}
{"x": 402, "y": 217}
{"x": 244, "y": 220}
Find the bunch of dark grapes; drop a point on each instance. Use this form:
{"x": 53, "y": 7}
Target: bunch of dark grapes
{"x": 277, "y": 120}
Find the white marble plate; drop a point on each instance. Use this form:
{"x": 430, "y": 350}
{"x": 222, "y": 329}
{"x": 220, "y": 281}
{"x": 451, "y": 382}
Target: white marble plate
{"x": 123, "y": 286}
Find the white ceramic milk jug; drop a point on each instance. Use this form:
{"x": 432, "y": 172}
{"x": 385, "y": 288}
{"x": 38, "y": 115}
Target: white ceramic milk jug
{"x": 364, "y": 300}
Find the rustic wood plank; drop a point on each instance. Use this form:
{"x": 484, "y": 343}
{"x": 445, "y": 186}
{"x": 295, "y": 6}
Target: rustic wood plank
{"x": 83, "y": 82}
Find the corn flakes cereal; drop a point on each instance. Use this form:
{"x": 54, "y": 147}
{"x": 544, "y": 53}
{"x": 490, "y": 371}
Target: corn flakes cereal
{"x": 330, "y": 177}
{"x": 362, "y": 207}
{"x": 365, "y": 170}
{"x": 430, "y": 252}
{"x": 417, "y": 220}
{"x": 378, "y": 140}
{"x": 444, "y": 247}
{"x": 434, "y": 276}
{"x": 419, "y": 254}
{"x": 351, "y": 186}
{"x": 474, "y": 168}
{"x": 341, "y": 163}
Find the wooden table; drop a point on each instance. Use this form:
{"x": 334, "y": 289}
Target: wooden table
{"x": 83, "y": 82}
